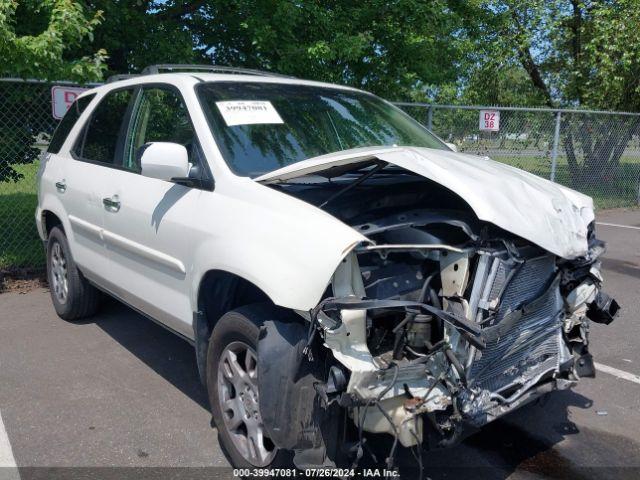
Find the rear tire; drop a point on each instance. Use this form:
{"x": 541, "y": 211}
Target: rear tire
{"x": 233, "y": 389}
{"x": 72, "y": 295}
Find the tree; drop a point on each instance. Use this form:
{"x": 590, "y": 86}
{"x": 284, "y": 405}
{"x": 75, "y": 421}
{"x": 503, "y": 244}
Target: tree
{"x": 399, "y": 49}
{"x": 35, "y": 38}
{"x": 575, "y": 53}
{"x": 143, "y": 32}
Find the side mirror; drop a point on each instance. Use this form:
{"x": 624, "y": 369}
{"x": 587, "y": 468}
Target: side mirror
{"x": 165, "y": 161}
{"x": 452, "y": 146}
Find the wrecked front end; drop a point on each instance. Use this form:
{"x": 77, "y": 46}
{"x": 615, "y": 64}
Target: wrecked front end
{"x": 440, "y": 323}
{"x": 430, "y": 341}
{"x": 437, "y": 340}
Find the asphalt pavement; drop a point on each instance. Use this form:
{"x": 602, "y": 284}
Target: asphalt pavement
{"x": 117, "y": 396}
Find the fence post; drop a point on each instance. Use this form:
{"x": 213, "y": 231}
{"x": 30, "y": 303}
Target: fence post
{"x": 554, "y": 153}
{"x": 430, "y": 118}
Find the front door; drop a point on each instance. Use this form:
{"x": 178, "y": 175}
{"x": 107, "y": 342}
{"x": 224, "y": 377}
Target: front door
{"x": 149, "y": 223}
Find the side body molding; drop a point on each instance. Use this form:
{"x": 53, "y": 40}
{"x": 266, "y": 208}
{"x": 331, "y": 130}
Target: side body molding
{"x": 114, "y": 240}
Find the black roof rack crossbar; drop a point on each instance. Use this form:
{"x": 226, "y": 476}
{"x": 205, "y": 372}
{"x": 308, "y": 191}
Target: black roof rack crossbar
{"x": 152, "y": 69}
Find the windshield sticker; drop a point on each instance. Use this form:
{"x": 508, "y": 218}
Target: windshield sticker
{"x": 251, "y": 112}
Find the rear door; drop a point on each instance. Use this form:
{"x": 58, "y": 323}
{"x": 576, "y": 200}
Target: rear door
{"x": 150, "y": 229}
{"x": 94, "y": 163}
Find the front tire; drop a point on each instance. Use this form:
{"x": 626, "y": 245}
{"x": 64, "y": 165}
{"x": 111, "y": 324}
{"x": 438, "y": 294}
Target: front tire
{"x": 232, "y": 385}
{"x": 72, "y": 295}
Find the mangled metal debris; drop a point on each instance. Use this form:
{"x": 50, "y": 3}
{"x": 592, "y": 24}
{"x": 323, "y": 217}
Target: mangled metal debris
{"x": 462, "y": 304}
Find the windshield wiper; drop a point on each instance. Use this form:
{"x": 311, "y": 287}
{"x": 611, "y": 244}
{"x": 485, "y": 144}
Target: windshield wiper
{"x": 379, "y": 166}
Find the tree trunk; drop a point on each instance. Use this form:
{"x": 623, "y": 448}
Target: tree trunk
{"x": 602, "y": 149}
{"x": 575, "y": 173}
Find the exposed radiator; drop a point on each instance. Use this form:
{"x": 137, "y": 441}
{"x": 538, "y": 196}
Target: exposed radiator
{"x": 532, "y": 346}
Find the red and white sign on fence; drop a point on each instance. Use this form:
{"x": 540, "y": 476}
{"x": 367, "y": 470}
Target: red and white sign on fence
{"x": 61, "y": 99}
{"x": 490, "y": 120}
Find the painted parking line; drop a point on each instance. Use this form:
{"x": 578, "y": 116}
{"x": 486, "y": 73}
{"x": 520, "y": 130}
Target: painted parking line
{"x": 618, "y": 373}
{"x": 617, "y": 225}
{"x": 8, "y": 466}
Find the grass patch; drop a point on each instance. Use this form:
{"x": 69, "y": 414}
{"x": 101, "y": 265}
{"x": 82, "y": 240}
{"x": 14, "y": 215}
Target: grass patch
{"x": 619, "y": 188}
{"x": 20, "y": 245}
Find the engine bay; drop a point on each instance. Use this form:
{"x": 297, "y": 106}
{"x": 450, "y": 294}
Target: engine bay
{"x": 441, "y": 323}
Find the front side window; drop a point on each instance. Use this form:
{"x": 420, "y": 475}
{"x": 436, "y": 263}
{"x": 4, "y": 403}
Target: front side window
{"x": 68, "y": 121}
{"x": 261, "y": 127}
{"x": 100, "y": 140}
{"x": 158, "y": 116}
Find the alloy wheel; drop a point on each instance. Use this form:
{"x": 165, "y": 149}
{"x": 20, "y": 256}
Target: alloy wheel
{"x": 238, "y": 397}
{"x": 59, "y": 273}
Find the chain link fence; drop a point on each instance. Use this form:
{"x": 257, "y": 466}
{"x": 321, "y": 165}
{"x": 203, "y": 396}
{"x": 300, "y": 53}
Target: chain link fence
{"x": 597, "y": 153}
{"x": 26, "y": 125}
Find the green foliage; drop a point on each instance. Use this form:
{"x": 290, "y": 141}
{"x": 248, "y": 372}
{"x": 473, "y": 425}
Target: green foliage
{"x": 571, "y": 53}
{"x": 140, "y": 33}
{"x": 490, "y": 84}
{"x": 36, "y": 36}
{"x": 22, "y": 120}
{"x": 611, "y": 65}
{"x": 577, "y": 53}
{"x": 398, "y": 49}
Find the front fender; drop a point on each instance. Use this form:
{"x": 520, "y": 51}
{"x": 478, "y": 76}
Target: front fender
{"x": 284, "y": 246}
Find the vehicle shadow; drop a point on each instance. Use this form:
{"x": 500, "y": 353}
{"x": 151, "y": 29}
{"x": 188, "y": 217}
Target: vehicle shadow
{"x": 168, "y": 355}
{"x": 171, "y": 196}
{"x": 522, "y": 441}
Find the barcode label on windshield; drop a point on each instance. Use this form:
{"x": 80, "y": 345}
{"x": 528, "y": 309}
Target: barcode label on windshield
{"x": 253, "y": 112}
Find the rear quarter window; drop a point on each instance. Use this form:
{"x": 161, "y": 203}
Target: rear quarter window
{"x": 68, "y": 121}
{"x": 104, "y": 129}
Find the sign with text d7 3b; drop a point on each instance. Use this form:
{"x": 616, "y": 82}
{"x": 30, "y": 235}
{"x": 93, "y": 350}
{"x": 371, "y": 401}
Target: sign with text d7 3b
{"x": 490, "y": 120}
{"x": 61, "y": 99}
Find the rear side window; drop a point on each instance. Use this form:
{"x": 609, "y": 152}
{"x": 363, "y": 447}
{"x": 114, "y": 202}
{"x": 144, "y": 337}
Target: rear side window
{"x": 100, "y": 142}
{"x": 68, "y": 121}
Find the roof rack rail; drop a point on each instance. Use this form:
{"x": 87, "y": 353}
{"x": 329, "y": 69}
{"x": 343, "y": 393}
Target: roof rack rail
{"x": 152, "y": 69}
{"x": 121, "y": 76}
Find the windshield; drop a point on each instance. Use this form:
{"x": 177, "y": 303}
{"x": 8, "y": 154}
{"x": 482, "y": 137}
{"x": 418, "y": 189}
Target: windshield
{"x": 261, "y": 127}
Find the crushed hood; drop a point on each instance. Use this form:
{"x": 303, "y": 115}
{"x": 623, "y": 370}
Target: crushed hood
{"x": 547, "y": 214}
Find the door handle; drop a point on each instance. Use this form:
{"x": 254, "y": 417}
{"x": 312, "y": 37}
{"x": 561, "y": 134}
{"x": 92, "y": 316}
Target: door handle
{"x": 111, "y": 203}
{"x": 61, "y": 186}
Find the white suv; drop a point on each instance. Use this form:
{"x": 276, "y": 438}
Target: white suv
{"x": 338, "y": 268}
